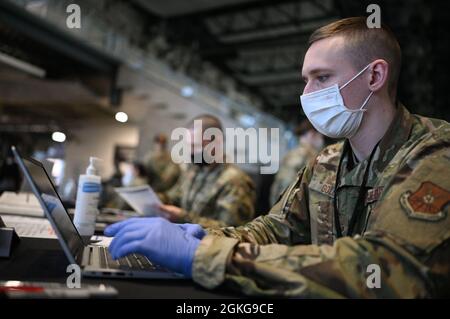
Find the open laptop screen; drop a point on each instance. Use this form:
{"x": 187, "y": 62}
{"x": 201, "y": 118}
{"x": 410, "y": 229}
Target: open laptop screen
{"x": 55, "y": 207}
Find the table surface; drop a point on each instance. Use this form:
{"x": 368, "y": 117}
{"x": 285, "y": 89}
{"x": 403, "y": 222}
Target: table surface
{"x": 36, "y": 259}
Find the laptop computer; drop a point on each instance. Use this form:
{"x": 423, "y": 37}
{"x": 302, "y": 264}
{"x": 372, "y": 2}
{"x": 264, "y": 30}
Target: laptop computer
{"x": 94, "y": 261}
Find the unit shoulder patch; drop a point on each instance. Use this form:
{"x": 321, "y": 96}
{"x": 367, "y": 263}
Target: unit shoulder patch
{"x": 428, "y": 202}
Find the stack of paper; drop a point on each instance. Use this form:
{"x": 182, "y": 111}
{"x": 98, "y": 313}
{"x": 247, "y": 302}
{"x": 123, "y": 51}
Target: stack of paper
{"x": 25, "y": 204}
{"x": 30, "y": 226}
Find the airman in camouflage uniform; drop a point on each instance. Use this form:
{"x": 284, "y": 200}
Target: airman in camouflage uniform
{"x": 214, "y": 196}
{"x": 403, "y": 225}
{"x": 351, "y": 225}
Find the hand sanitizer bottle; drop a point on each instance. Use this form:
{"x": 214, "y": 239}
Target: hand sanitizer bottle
{"x": 86, "y": 205}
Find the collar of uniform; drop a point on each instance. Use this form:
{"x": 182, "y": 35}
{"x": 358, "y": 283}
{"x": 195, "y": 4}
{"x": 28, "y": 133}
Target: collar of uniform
{"x": 396, "y": 135}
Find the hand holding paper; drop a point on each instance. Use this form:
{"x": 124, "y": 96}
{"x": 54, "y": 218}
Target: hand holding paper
{"x": 172, "y": 213}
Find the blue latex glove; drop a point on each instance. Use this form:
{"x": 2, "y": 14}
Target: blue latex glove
{"x": 193, "y": 229}
{"x": 164, "y": 243}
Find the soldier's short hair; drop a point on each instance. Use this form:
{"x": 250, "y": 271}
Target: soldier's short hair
{"x": 365, "y": 44}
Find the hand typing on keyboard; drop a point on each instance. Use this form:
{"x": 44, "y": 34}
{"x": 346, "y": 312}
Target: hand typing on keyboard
{"x": 161, "y": 241}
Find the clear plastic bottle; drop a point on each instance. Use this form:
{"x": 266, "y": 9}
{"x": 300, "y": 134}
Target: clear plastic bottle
{"x": 88, "y": 194}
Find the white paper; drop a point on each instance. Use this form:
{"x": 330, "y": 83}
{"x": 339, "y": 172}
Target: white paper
{"x": 101, "y": 241}
{"x": 142, "y": 199}
{"x": 30, "y": 226}
{"x": 25, "y": 204}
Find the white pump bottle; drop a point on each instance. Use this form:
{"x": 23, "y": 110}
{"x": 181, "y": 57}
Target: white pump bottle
{"x": 88, "y": 194}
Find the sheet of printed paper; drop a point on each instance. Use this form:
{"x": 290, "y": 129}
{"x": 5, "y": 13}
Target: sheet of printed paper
{"x": 30, "y": 226}
{"x": 142, "y": 199}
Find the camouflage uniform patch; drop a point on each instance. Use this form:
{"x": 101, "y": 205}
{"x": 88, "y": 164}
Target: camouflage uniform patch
{"x": 426, "y": 203}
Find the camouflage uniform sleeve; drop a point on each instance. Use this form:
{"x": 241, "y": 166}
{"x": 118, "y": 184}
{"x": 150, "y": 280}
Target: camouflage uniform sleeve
{"x": 279, "y": 183}
{"x": 170, "y": 175}
{"x": 407, "y": 243}
{"x": 235, "y": 205}
{"x": 173, "y": 195}
{"x": 287, "y": 222}
{"x": 292, "y": 163}
{"x": 205, "y": 222}
{"x": 311, "y": 271}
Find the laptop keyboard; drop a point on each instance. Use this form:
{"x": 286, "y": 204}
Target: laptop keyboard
{"x": 130, "y": 262}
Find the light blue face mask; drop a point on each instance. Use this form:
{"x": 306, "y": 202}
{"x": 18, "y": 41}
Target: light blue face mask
{"x": 327, "y": 112}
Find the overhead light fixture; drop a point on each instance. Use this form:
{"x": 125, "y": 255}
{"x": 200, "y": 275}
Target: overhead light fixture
{"x": 22, "y": 65}
{"x": 121, "y": 117}
{"x": 247, "y": 120}
{"x": 187, "y": 91}
{"x": 59, "y": 137}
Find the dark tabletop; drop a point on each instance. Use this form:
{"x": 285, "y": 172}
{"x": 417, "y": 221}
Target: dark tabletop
{"x": 43, "y": 260}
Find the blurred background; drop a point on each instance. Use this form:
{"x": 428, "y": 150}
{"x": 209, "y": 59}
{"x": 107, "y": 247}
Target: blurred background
{"x": 138, "y": 68}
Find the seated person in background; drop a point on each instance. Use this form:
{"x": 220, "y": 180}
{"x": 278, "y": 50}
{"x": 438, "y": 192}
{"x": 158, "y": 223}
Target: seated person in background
{"x": 310, "y": 143}
{"x": 212, "y": 195}
{"x": 162, "y": 172}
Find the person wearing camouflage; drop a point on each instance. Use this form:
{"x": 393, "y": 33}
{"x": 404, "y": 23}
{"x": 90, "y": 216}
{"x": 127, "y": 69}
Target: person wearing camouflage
{"x": 378, "y": 198}
{"x": 295, "y": 250}
{"x": 212, "y": 195}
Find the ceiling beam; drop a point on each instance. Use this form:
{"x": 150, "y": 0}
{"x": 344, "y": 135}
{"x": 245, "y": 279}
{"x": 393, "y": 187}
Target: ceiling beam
{"x": 229, "y": 52}
{"x": 43, "y": 32}
{"x": 231, "y": 9}
{"x": 269, "y": 71}
{"x": 274, "y": 30}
